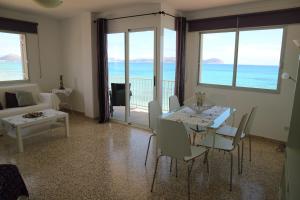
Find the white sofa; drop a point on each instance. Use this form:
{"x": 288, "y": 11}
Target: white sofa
{"x": 43, "y": 100}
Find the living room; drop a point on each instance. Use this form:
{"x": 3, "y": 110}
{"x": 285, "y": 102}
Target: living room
{"x": 74, "y": 55}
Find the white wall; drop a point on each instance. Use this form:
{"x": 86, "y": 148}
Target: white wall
{"x": 77, "y": 59}
{"x": 257, "y": 6}
{"x": 48, "y": 52}
{"x": 274, "y": 110}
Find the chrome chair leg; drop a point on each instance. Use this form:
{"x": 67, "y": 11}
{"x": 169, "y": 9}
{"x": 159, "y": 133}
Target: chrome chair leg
{"x": 242, "y": 159}
{"x": 231, "y": 171}
{"x": 239, "y": 170}
{"x": 148, "y": 148}
{"x": 188, "y": 179}
{"x": 176, "y": 167}
{"x": 250, "y": 148}
{"x": 156, "y": 164}
{"x": 192, "y": 166}
{"x": 206, "y": 160}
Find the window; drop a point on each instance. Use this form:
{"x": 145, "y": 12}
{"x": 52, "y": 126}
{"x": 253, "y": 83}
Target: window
{"x": 217, "y": 58}
{"x": 253, "y": 62}
{"x": 13, "y": 59}
{"x": 169, "y": 67}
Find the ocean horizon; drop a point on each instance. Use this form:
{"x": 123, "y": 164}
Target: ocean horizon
{"x": 141, "y": 77}
{"x": 252, "y": 76}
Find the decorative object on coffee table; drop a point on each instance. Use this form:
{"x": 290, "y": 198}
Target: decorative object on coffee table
{"x": 33, "y": 115}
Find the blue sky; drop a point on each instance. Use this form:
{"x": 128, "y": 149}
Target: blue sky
{"x": 141, "y": 45}
{"x": 9, "y": 44}
{"x": 256, "y": 47}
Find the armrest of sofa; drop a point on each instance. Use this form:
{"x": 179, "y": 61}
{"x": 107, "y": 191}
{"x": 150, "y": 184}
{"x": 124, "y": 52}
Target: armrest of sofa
{"x": 50, "y": 99}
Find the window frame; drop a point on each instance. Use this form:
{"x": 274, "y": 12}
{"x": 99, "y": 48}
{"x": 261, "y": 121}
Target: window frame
{"x": 234, "y": 77}
{"x": 24, "y": 58}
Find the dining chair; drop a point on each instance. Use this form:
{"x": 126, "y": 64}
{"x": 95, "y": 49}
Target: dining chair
{"x": 192, "y": 131}
{"x": 230, "y": 131}
{"x": 154, "y": 112}
{"x": 173, "y": 103}
{"x": 227, "y": 144}
{"x": 172, "y": 140}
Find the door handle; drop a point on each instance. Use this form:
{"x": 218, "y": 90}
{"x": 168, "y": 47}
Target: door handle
{"x": 154, "y": 80}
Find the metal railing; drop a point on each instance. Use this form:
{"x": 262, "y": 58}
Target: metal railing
{"x": 142, "y": 91}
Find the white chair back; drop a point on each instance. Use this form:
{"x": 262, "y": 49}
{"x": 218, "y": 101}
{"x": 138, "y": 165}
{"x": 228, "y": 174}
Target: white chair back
{"x": 173, "y": 103}
{"x": 239, "y": 131}
{"x": 250, "y": 120}
{"x": 173, "y": 139}
{"x": 154, "y": 112}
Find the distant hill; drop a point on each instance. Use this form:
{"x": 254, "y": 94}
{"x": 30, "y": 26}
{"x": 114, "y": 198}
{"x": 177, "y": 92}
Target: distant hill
{"x": 10, "y": 57}
{"x": 213, "y": 61}
{"x": 143, "y": 60}
{"x": 169, "y": 59}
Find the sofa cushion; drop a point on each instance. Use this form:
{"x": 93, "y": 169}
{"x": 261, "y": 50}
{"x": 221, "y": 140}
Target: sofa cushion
{"x": 28, "y": 87}
{"x": 11, "y": 100}
{"x": 25, "y": 98}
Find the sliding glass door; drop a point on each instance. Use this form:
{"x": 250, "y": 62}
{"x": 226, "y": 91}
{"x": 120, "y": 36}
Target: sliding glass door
{"x": 169, "y": 67}
{"x": 131, "y": 69}
{"x": 141, "y": 74}
{"x": 116, "y": 75}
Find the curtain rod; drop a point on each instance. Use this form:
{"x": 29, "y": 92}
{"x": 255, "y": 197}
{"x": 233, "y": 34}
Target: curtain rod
{"x": 130, "y": 16}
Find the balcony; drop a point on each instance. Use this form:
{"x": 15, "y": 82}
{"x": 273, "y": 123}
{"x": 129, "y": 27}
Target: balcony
{"x": 142, "y": 94}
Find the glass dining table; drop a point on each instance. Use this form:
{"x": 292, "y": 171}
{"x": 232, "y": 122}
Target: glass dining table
{"x": 211, "y": 117}
{"x": 208, "y": 117}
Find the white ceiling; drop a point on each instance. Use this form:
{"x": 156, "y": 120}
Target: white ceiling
{"x": 73, "y": 7}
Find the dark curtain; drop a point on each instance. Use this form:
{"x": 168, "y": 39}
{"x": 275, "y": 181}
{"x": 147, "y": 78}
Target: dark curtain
{"x": 102, "y": 70}
{"x": 267, "y": 18}
{"x": 180, "y": 26}
{"x": 18, "y": 25}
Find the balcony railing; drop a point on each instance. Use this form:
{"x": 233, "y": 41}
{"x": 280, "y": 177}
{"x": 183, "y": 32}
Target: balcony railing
{"x": 142, "y": 91}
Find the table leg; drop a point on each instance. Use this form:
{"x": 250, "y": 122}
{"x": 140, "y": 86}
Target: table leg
{"x": 67, "y": 129}
{"x": 19, "y": 140}
{"x": 213, "y": 132}
{"x": 233, "y": 119}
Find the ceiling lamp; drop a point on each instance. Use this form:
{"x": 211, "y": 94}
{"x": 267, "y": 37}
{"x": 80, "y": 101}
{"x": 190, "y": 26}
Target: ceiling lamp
{"x": 49, "y": 3}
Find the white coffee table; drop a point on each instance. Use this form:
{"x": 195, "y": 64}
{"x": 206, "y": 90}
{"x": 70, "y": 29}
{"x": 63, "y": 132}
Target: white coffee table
{"x": 20, "y": 128}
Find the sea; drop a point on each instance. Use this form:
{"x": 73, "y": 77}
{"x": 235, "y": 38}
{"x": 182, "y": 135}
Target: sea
{"x": 251, "y": 76}
{"x": 141, "y": 77}
{"x": 11, "y": 70}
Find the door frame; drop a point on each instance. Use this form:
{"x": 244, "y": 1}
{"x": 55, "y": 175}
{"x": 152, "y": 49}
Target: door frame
{"x": 155, "y": 70}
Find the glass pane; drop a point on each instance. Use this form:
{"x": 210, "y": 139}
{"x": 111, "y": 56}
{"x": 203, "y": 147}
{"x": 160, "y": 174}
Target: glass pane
{"x": 169, "y": 67}
{"x": 217, "y": 58}
{"x": 259, "y": 58}
{"x": 11, "y": 57}
{"x": 116, "y": 74}
{"x": 141, "y": 73}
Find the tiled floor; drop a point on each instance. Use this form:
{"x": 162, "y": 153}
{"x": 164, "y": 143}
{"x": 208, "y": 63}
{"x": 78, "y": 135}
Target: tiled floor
{"x": 137, "y": 116}
{"x": 106, "y": 161}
